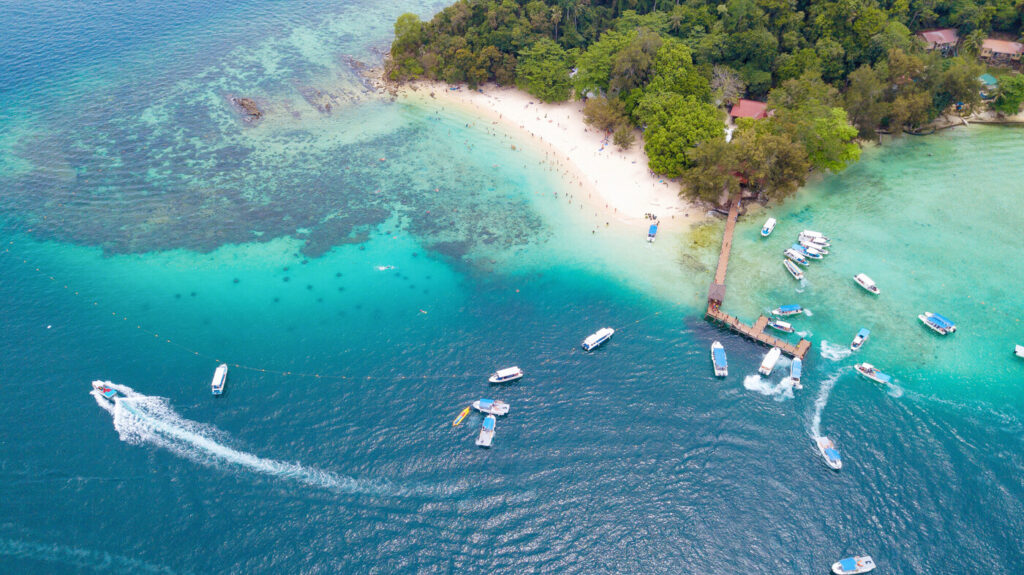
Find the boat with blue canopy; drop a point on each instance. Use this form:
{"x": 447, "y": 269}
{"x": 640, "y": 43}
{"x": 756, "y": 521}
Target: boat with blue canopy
{"x": 487, "y": 431}
{"x": 828, "y": 450}
{"x": 871, "y": 372}
{"x": 105, "y": 390}
{"x": 491, "y": 406}
{"x": 651, "y": 232}
{"x": 937, "y": 323}
{"x": 768, "y": 227}
{"x": 853, "y": 565}
{"x": 784, "y": 310}
{"x": 859, "y": 339}
{"x": 795, "y": 371}
{"x": 719, "y": 360}
{"x": 796, "y": 257}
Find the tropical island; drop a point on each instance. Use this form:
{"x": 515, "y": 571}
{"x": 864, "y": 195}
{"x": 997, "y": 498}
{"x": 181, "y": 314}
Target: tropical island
{"x": 797, "y": 85}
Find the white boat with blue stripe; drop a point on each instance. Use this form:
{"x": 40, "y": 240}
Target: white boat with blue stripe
{"x": 828, "y": 450}
{"x": 937, "y": 323}
{"x": 871, "y": 372}
{"x": 491, "y": 406}
{"x": 597, "y": 338}
{"x": 651, "y": 232}
{"x": 793, "y": 270}
{"x": 719, "y": 360}
{"x": 786, "y": 310}
{"x": 768, "y": 227}
{"x": 796, "y": 257}
{"x": 859, "y": 339}
{"x": 807, "y": 253}
{"x": 853, "y": 565}
{"x": 506, "y": 375}
{"x": 220, "y": 377}
{"x": 796, "y": 370}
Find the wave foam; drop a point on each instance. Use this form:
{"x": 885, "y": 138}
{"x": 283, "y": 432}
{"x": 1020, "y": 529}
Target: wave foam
{"x": 780, "y": 392}
{"x": 820, "y": 402}
{"x": 834, "y": 352}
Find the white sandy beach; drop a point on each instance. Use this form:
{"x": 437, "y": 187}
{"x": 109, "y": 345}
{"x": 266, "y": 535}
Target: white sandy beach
{"x": 614, "y": 181}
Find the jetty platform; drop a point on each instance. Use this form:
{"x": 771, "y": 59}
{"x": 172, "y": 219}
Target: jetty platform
{"x": 716, "y": 295}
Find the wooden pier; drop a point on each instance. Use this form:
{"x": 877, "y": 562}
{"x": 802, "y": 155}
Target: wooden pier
{"x": 716, "y": 295}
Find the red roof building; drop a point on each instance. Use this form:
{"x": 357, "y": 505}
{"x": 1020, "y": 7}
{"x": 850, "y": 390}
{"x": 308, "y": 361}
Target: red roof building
{"x": 945, "y": 39}
{"x": 749, "y": 109}
{"x": 1001, "y": 49}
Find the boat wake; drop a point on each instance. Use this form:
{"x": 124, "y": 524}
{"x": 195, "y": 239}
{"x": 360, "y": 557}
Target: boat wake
{"x": 833, "y": 351}
{"x": 78, "y": 558}
{"x": 808, "y": 312}
{"x": 140, "y": 419}
{"x": 820, "y": 402}
{"x": 779, "y": 392}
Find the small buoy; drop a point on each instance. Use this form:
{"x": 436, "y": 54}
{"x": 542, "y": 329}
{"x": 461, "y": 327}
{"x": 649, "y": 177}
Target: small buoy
{"x": 49, "y": 326}
{"x": 423, "y": 311}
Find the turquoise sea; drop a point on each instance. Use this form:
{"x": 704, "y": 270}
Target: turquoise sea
{"x": 363, "y": 265}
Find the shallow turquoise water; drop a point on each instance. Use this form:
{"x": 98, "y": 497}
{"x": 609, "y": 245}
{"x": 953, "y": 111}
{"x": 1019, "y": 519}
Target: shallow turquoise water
{"x": 363, "y": 270}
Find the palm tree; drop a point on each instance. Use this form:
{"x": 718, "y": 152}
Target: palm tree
{"x": 971, "y": 43}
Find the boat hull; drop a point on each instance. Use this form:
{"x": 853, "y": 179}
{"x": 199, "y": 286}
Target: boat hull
{"x": 496, "y": 408}
{"x": 781, "y": 326}
{"x": 220, "y": 376}
{"x": 597, "y": 339}
{"x": 860, "y": 565}
{"x": 793, "y": 270}
{"x": 824, "y": 443}
{"x": 933, "y": 326}
{"x": 721, "y": 367}
{"x": 769, "y": 361}
{"x": 871, "y": 373}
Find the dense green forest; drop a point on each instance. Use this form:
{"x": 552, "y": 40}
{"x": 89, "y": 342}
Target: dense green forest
{"x": 830, "y": 70}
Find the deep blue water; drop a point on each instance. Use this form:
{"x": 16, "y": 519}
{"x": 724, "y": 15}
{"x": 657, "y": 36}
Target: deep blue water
{"x": 332, "y": 450}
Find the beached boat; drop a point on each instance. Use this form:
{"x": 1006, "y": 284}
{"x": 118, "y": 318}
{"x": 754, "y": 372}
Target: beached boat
{"x": 866, "y": 283}
{"x": 829, "y": 452}
{"x": 871, "y": 372}
{"x": 793, "y": 270}
{"x": 220, "y": 377}
{"x": 768, "y": 227}
{"x": 937, "y": 323}
{"x": 807, "y": 253}
{"x": 795, "y": 371}
{"x": 719, "y": 360}
{"x": 460, "y": 417}
{"x": 651, "y": 232}
{"x": 506, "y": 375}
{"x": 785, "y": 310}
{"x": 597, "y": 338}
{"x": 853, "y": 565}
{"x": 1019, "y": 350}
{"x": 769, "y": 361}
{"x": 783, "y": 326}
{"x": 486, "y": 432}
{"x": 860, "y": 338}
{"x": 491, "y": 406}
{"x": 796, "y": 257}
{"x": 105, "y": 390}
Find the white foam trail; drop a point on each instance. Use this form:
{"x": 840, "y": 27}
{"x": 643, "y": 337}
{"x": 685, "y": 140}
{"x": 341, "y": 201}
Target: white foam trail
{"x": 780, "y": 392}
{"x": 808, "y": 312}
{"x": 78, "y": 558}
{"x": 833, "y": 351}
{"x": 141, "y": 419}
{"x": 894, "y": 390}
{"x": 820, "y": 402}
{"x": 805, "y": 334}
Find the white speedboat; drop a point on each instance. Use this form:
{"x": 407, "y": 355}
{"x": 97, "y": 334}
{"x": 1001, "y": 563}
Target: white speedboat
{"x": 220, "y": 377}
{"x": 859, "y": 339}
{"x": 866, "y": 283}
{"x": 597, "y": 338}
{"x": 829, "y": 452}
{"x": 814, "y": 234}
{"x": 795, "y": 256}
{"x": 783, "y": 326}
{"x": 505, "y": 375}
{"x": 486, "y": 432}
{"x": 793, "y": 270}
{"x": 105, "y": 390}
{"x": 768, "y": 227}
{"x": 491, "y": 406}
{"x": 813, "y": 241}
{"x": 871, "y": 372}
{"x": 785, "y": 310}
{"x": 769, "y": 361}
{"x": 937, "y": 323}
{"x": 813, "y": 249}
{"x": 795, "y": 371}
{"x": 853, "y": 565}
{"x": 1019, "y": 350}
{"x": 807, "y": 253}
{"x": 718, "y": 359}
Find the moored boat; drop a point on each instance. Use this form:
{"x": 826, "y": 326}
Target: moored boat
{"x": 871, "y": 372}
{"x": 937, "y": 323}
{"x": 829, "y": 452}
{"x": 814, "y": 234}
{"x": 491, "y": 406}
{"x": 486, "y": 431}
{"x": 795, "y": 371}
{"x": 860, "y": 338}
{"x": 460, "y": 417}
{"x": 220, "y": 377}
{"x": 718, "y": 359}
{"x": 867, "y": 283}
{"x": 651, "y": 232}
{"x": 597, "y": 338}
{"x": 769, "y": 361}
{"x": 795, "y": 256}
{"x": 812, "y": 248}
{"x": 807, "y": 253}
{"x": 785, "y": 310}
{"x": 1019, "y": 350}
{"x": 793, "y": 270}
{"x": 814, "y": 241}
{"x": 768, "y": 227}
{"x": 506, "y": 375}
{"x": 105, "y": 389}
{"x": 783, "y": 326}
{"x": 853, "y": 565}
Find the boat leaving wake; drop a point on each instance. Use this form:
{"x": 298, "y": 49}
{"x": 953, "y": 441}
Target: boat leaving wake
{"x": 780, "y": 392}
{"x": 834, "y": 352}
{"x": 821, "y": 401}
{"x": 141, "y": 419}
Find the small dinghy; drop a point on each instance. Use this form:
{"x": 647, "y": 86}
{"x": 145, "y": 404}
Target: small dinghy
{"x": 1019, "y": 350}
{"x": 807, "y": 253}
{"x": 768, "y": 227}
{"x": 786, "y": 310}
{"x": 866, "y": 283}
{"x": 105, "y": 390}
{"x": 220, "y": 377}
{"x": 859, "y": 339}
{"x": 829, "y": 452}
{"x": 796, "y": 257}
{"x": 486, "y": 432}
{"x": 795, "y": 371}
{"x": 783, "y": 326}
{"x": 937, "y": 323}
{"x": 718, "y": 359}
{"x": 491, "y": 406}
{"x": 460, "y": 417}
{"x": 853, "y": 565}
{"x": 506, "y": 375}
{"x": 793, "y": 270}
{"x": 769, "y": 361}
{"x": 597, "y": 338}
{"x": 651, "y": 232}
{"x": 871, "y": 372}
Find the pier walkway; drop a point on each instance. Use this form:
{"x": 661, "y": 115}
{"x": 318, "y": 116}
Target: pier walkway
{"x": 716, "y": 295}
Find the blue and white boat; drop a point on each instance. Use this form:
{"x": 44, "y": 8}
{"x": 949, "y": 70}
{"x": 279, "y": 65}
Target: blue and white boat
{"x": 220, "y": 377}
{"x": 795, "y": 256}
{"x": 491, "y": 406}
{"x": 817, "y": 248}
{"x": 769, "y": 361}
{"x": 853, "y": 565}
{"x": 487, "y": 431}
{"x": 506, "y": 375}
{"x": 871, "y": 372}
{"x": 785, "y": 310}
{"x": 719, "y": 360}
{"x": 828, "y": 450}
{"x": 793, "y": 270}
{"x": 807, "y": 253}
{"x": 651, "y": 232}
{"x": 859, "y": 339}
{"x": 783, "y": 326}
{"x": 768, "y": 227}
{"x": 105, "y": 390}
{"x": 795, "y": 371}
{"x": 867, "y": 283}
{"x": 597, "y": 338}
{"x": 937, "y": 323}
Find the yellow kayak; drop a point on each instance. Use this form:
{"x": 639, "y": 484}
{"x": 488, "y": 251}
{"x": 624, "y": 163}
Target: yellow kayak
{"x": 461, "y": 416}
